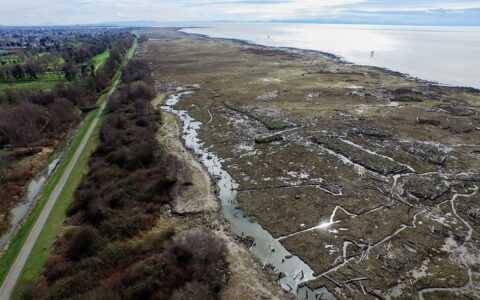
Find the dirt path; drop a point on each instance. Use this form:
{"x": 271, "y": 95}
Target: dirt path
{"x": 17, "y": 267}
{"x": 194, "y": 193}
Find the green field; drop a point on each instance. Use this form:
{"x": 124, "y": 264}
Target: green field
{"x": 46, "y": 82}
{"x": 100, "y": 59}
{"x": 9, "y": 59}
{"x": 37, "y": 259}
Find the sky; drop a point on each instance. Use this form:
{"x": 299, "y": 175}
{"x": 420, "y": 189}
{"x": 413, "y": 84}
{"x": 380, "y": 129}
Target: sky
{"x": 414, "y": 12}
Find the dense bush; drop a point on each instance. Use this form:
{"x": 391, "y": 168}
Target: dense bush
{"x": 118, "y": 203}
{"x": 83, "y": 243}
{"x": 134, "y": 72}
{"x": 22, "y": 125}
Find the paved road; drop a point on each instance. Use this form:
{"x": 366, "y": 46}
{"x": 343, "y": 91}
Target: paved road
{"x": 16, "y": 269}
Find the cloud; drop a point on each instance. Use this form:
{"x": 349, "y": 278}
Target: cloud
{"x": 417, "y": 5}
{"x": 94, "y": 11}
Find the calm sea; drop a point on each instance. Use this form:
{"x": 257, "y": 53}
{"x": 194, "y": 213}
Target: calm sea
{"x": 448, "y": 55}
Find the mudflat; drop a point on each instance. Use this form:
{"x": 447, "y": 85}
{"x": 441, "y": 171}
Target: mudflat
{"x": 368, "y": 176}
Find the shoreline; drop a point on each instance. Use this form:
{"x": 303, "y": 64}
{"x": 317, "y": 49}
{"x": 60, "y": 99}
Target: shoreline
{"x": 334, "y": 57}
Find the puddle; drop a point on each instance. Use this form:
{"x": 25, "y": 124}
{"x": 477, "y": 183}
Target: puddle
{"x": 23, "y": 206}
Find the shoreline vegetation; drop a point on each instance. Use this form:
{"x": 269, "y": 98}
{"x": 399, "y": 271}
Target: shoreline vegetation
{"x": 334, "y": 57}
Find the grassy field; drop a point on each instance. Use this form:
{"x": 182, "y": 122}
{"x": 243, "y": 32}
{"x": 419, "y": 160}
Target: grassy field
{"x": 9, "y": 59}
{"x": 14, "y": 58}
{"x": 100, "y": 59}
{"x": 48, "y": 80}
{"x": 43, "y": 245}
{"x": 45, "y": 82}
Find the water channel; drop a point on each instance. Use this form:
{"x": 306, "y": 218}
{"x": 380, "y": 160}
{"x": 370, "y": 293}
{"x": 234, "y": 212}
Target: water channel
{"x": 268, "y": 249}
{"x": 24, "y": 205}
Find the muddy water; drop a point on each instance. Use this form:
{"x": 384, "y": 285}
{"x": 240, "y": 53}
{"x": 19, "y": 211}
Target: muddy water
{"x": 22, "y": 208}
{"x": 266, "y": 248}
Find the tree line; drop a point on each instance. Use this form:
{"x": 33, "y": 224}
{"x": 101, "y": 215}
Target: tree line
{"x": 30, "y": 70}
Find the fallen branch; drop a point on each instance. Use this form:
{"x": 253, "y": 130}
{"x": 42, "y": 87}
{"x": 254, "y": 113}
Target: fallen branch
{"x": 332, "y": 280}
{"x": 356, "y": 279}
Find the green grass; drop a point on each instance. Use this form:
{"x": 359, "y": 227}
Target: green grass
{"x": 59, "y": 63}
{"x": 46, "y": 82}
{"x": 9, "y": 59}
{"x": 42, "y": 54}
{"x": 38, "y": 257}
{"x": 101, "y": 58}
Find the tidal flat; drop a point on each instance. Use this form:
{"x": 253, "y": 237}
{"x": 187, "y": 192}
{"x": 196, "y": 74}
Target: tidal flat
{"x": 368, "y": 176}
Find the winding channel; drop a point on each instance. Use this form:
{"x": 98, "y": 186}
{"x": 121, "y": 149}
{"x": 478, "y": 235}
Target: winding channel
{"x": 268, "y": 249}
{"x": 462, "y": 251}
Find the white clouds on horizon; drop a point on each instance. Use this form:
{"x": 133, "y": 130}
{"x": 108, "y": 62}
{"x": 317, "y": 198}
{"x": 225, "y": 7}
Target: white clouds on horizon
{"x": 94, "y": 11}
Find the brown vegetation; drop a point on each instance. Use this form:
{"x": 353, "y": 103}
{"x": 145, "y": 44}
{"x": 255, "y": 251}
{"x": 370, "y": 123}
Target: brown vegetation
{"x": 110, "y": 250}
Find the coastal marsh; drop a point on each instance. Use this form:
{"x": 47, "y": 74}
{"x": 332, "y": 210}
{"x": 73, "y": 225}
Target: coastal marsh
{"x": 351, "y": 208}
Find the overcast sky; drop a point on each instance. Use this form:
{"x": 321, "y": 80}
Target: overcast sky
{"x": 442, "y": 12}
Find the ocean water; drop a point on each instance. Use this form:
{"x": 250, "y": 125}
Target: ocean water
{"x": 447, "y": 55}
